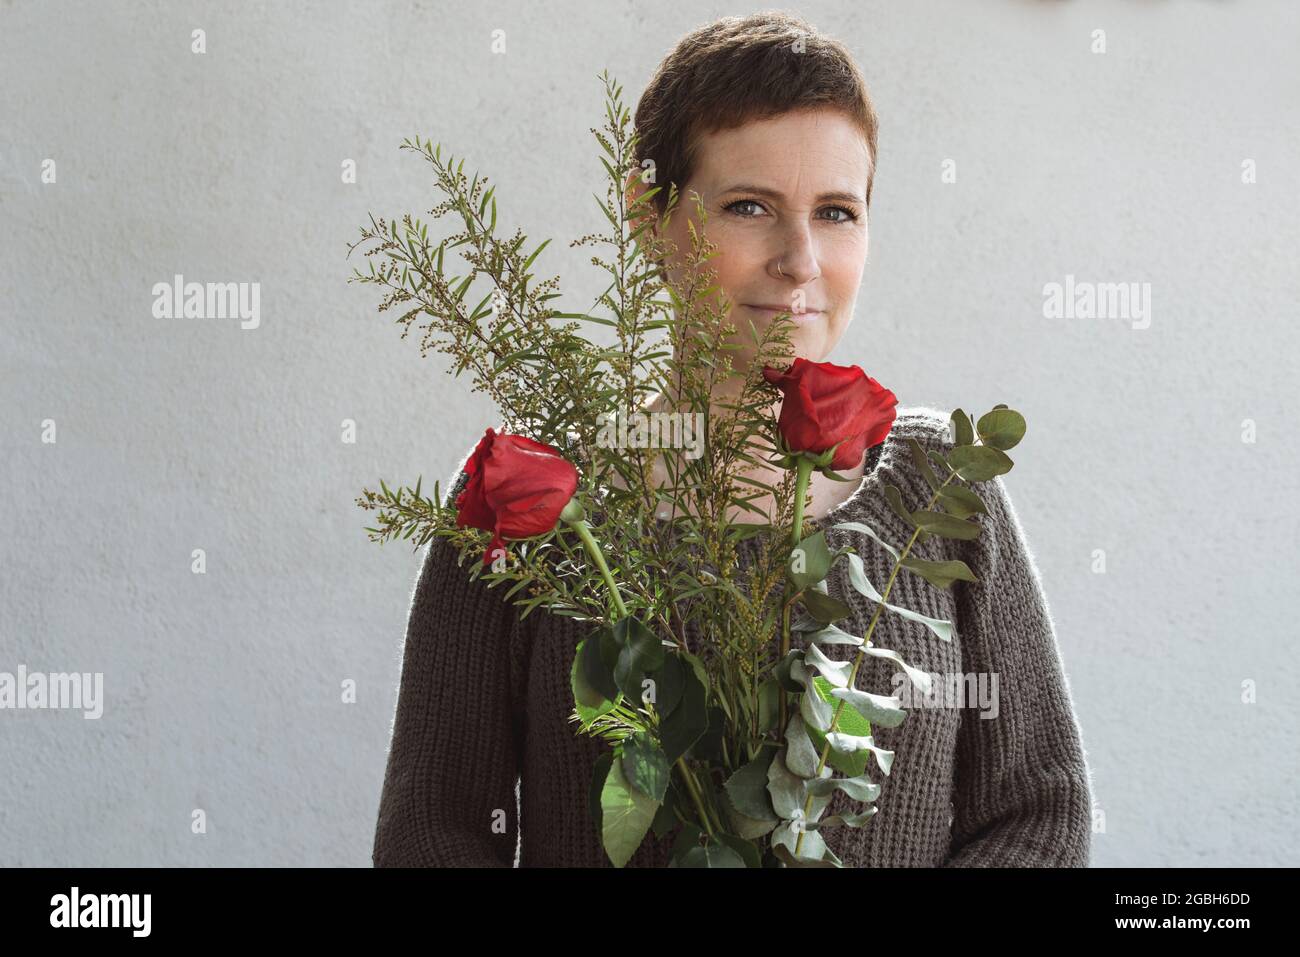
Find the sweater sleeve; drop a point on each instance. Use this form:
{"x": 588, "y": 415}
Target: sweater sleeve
{"x": 449, "y": 788}
{"x": 1022, "y": 792}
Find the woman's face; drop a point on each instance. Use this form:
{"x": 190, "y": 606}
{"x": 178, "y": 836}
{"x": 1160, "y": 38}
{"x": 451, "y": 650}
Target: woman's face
{"x": 785, "y": 200}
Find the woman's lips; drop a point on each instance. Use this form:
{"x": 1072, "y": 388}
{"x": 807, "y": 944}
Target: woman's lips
{"x": 800, "y": 318}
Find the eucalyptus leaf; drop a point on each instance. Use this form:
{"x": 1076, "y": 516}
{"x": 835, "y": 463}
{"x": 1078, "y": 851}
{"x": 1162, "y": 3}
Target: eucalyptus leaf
{"x": 961, "y": 502}
{"x": 1001, "y": 428}
{"x": 871, "y": 533}
{"x": 800, "y": 757}
{"x": 979, "y": 463}
{"x": 940, "y": 574}
{"x": 962, "y": 426}
{"x": 825, "y": 608}
{"x": 836, "y": 672}
{"x": 918, "y": 676}
{"x": 941, "y": 628}
{"x": 895, "y": 499}
{"x": 860, "y": 788}
{"x": 847, "y": 820}
{"x": 813, "y": 851}
{"x": 884, "y": 710}
{"x": 922, "y": 462}
{"x": 853, "y": 742}
{"x": 833, "y": 635}
{"x": 947, "y": 526}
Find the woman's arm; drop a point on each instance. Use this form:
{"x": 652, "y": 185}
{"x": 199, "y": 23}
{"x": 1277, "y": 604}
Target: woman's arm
{"x": 1022, "y": 797}
{"x": 449, "y": 789}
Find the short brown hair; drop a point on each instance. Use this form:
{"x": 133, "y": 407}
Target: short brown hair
{"x": 737, "y": 69}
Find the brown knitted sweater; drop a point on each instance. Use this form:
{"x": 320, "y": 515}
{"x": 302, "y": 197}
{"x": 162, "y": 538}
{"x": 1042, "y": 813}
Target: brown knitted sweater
{"x": 482, "y": 709}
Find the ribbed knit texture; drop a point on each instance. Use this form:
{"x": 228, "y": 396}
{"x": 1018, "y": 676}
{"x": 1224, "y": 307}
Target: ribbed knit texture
{"x": 484, "y": 701}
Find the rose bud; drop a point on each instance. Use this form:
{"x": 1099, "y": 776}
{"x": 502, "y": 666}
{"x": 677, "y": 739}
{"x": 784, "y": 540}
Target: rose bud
{"x": 517, "y": 488}
{"x": 825, "y": 404}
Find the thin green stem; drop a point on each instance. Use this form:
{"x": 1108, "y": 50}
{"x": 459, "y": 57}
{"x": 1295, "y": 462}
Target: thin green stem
{"x": 804, "y": 467}
{"x": 861, "y": 656}
{"x": 589, "y": 542}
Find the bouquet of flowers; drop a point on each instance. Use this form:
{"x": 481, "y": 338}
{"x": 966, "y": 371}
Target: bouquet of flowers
{"x": 717, "y": 725}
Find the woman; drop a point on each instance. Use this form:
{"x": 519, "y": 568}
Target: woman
{"x": 771, "y": 124}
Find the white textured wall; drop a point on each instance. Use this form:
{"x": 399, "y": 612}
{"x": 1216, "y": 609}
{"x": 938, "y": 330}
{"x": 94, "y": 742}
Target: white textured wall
{"x": 222, "y": 690}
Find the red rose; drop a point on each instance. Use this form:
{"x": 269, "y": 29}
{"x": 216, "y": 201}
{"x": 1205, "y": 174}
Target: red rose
{"x": 825, "y": 404}
{"x": 516, "y": 488}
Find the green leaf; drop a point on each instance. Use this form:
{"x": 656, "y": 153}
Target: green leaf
{"x": 626, "y": 816}
{"x": 851, "y": 764}
{"x": 825, "y": 608}
{"x": 769, "y": 704}
{"x": 961, "y": 502}
{"x": 979, "y": 463}
{"x": 669, "y": 681}
{"x": 858, "y": 578}
{"x": 599, "y": 773}
{"x": 747, "y": 787}
{"x": 744, "y": 849}
{"x": 814, "y": 557}
{"x": 639, "y": 651}
{"x": 598, "y": 654}
{"x": 813, "y": 851}
{"x": 895, "y": 499}
{"x": 947, "y": 526}
{"x": 712, "y": 855}
{"x": 922, "y": 462}
{"x": 589, "y": 703}
{"x": 687, "y": 838}
{"x": 801, "y": 757}
{"x": 689, "y": 720}
{"x": 962, "y": 427}
{"x": 1002, "y": 428}
{"x": 782, "y": 671}
{"x": 645, "y": 766}
{"x": 885, "y": 711}
{"x": 708, "y": 747}
{"x": 665, "y": 817}
{"x": 939, "y": 574}
{"x": 860, "y": 788}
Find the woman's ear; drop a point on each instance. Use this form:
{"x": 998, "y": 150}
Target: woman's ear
{"x": 634, "y": 189}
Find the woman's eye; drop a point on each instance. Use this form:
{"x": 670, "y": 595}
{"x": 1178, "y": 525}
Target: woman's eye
{"x": 731, "y": 207}
{"x": 848, "y": 216}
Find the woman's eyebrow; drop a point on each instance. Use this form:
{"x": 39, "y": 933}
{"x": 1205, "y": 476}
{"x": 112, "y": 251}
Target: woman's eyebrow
{"x": 840, "y": 195}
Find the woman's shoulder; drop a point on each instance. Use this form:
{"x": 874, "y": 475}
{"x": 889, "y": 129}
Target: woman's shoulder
{"x": 930, "y": 426}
